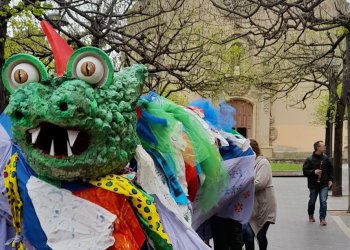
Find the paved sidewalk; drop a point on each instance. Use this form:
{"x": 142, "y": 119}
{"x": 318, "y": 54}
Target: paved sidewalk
{"x": 292, "y": 230}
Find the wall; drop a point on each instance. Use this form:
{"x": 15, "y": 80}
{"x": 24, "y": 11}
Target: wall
{"x": 296, "y": 133}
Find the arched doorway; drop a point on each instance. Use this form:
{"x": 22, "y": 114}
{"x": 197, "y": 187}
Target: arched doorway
{"x": 243, "y": 117}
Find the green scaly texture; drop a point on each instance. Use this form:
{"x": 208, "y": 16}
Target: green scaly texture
{"x": 106, "y": 115}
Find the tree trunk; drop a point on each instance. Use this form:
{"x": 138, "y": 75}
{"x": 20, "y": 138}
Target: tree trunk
{"x": 348, "y": 164}
{"x": 347, "y": 83}
{"x": 338, "y": 148}
{"x": 3, "y": 32}
{"x": 338, "y": 132}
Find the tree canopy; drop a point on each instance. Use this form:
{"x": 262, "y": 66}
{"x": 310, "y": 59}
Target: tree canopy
{"x": 296, "y": 42}
{"x": 301, "y": 40}
{"x": 178, "y": 40}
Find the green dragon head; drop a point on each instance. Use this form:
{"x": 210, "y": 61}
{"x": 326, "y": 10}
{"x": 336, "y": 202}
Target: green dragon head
{"x": 80, "y": 125}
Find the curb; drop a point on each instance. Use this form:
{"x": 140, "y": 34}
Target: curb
{"x": 287, "y": 174}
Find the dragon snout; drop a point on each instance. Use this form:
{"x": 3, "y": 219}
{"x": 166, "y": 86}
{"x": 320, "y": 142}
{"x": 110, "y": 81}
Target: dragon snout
{"x": 72, "y": 99}
{"x": 63, "y": 106}
{"x": 70, "y": 106}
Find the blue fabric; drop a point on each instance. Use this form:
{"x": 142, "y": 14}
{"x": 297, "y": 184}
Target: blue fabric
{"x": 174, "y": 186}
{"x": 198, "y": 169}
{"x": 151, "y": 119}
{"x": 31, "y": 225}
{"x": 226, "y": 116}
{"x": 143, "y": 126}
{"x": 233, "y": 151}
{"x": 218, "y": 118}
{"x": 150, "y": 96}
{"x": 6, "y": 123}
{"x": 211, "y": 114}
{"x": 323, "y": 193}
{"x": 144, "y": 132}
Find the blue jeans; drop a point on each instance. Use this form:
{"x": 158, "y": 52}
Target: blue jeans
{"x": 323, "y": 193}
{"x": 248, "y": 236}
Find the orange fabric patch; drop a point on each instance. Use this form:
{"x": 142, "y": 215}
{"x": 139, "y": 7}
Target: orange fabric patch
{"x": 127, "y": 233}
{"x": 188, "y": 153}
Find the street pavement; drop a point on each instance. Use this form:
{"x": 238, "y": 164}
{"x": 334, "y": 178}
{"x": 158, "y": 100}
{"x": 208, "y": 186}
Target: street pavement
{"x": 293, "y": 231}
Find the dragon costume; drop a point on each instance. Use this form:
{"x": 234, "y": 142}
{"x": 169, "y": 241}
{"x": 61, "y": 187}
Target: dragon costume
{"x": 103, "y": 168}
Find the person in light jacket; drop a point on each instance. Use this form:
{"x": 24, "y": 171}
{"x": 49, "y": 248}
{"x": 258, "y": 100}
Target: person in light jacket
{"x": 264, "y": 208}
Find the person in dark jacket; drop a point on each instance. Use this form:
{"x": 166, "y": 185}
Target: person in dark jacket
{"x": 319, "y": 172}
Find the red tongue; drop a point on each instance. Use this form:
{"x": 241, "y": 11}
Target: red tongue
{"x": 60, "y": 48}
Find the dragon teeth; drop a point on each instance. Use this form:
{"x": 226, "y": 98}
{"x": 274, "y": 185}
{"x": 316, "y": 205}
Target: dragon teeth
{"x": 52, "y": 149}
{"x": 72, "y": 136}
{"x": 69, "y": 150}
{"x": 35, "y": 133}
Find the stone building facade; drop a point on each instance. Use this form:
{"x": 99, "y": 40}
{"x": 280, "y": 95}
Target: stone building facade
{"x": 254, "y": 120}
{"x": 282, "y": 132}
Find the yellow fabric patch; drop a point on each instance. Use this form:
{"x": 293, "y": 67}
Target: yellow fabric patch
{"x": 15, "y": 202}
{"x": 144, "y": 205}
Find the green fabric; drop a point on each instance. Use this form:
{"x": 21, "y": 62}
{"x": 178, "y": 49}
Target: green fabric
{"x": 159, "y": 242}
{"x": 206, "y": 154}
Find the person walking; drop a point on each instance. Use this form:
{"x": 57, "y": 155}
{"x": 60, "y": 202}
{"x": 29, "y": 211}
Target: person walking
{"x": 264, "y": 208}
{"x": 319, "y": 172}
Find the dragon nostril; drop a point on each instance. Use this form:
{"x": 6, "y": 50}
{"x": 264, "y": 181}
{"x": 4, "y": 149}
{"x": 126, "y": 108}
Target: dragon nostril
{"x": 18, "y": 114}
{"x": 63, "y": 106}
{"x": 80, "y": 110}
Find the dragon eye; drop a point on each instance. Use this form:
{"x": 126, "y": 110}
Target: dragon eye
{"x": 91, "y": 65}
{"x": 22, "y": 69}
{"x": 24, "y": 73}
{"x": 90, "y": 69}
{"x": 20, "y": 76}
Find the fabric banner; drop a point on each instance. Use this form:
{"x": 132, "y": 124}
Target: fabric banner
{"x": 7, "y": 231}
{"x": 181, "y": 236}
{"x": 65, "y": 226}
{"x": 236, "y": 202}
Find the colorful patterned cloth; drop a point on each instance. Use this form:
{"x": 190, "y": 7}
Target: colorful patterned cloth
{"x": 152, "y": 181}
{"x": 14, "y": 199}
{"x": 6, "y": 148}
{"x": 142, "y": 202}
{"x": 236, "y": 202}
{"x": 127, "y": 232}
{"x": 70, "y": 222}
